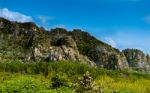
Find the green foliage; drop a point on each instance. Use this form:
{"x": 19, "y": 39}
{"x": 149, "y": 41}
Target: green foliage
{"x": 60, "y": 77}
{"x": 19, "y": 83}
{"x": 61, "y": 90}
{"x": 22, "y": 85}
{"x": 58, "y": 81}
{"x": 68, "y": 67}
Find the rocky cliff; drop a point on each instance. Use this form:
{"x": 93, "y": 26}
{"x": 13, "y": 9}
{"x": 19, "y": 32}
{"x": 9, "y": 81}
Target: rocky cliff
{"x": 27, "y": 42}
{"x": 137, "y": 60}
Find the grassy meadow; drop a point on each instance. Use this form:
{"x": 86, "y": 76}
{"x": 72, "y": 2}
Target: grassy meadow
{"x": 65, "y": 77}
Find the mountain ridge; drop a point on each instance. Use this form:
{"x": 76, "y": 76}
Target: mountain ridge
{"x": 28, "y": 42}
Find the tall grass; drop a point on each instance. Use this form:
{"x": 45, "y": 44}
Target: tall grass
{"x": 110, "y": 81}
{"x": 68, "y": 67}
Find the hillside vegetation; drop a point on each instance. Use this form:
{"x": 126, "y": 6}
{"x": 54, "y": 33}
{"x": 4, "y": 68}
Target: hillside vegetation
{"x": 28, "y": 42}
{"x": 34, "y": 60}
{"x": 66, "y": 77}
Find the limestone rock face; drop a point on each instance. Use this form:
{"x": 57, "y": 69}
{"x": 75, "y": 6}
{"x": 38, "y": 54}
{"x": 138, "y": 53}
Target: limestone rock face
{"x": 122, "y": 62}
{"x": 112, "y": 61}
{"x": 27, "y": 42}
{"x": 67, "y": 53}
{"x": 62, "y": 53}
{"x": 61, "y": 48}
{"x": 137, "y": 59}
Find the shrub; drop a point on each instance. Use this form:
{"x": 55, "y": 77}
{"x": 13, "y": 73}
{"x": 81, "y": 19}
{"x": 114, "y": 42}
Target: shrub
{"x": 87, "y": 85}
{"x": 22, "y": 85}
{"x": 58, "y": 81}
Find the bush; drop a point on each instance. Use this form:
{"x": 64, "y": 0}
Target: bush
{"x": 63, "y": 75}
{"x": 22, "y": 85}
{"x": 61, "y": 90}
{"x": 58, "y": 81}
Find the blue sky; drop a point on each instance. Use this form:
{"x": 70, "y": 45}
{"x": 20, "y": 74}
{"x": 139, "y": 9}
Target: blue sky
{"x": 121, "y": 23}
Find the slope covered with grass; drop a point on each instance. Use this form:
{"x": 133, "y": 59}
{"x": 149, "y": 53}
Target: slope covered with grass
{"x": 65, "y": 77}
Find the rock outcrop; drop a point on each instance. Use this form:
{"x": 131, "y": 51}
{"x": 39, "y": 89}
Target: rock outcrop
{"x": 27, "y": 42}
{"x": 137, "y": 59}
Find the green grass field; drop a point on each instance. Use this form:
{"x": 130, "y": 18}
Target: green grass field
{"x": 18, "y": 77}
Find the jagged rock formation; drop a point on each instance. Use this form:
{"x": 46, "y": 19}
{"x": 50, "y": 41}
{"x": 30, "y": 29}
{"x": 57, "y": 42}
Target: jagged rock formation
{"x": 27, "y": 42}
{"x": 137, "y": 59}
{"x": 102, "y": 54}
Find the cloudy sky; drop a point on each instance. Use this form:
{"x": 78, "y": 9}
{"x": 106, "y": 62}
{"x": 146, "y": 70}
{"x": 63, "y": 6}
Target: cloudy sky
{"x": 121, "y": 23}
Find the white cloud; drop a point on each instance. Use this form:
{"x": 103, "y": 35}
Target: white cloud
{"x": 59, "y": 26}
{"x": 45, "y": 19}
{"x": 123, "y": 38}
{"x": 14, "y": 16}
{"x": 132, "y": 38}
{"x": 55, "y": 26}
{"x": 110, "y": 41}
